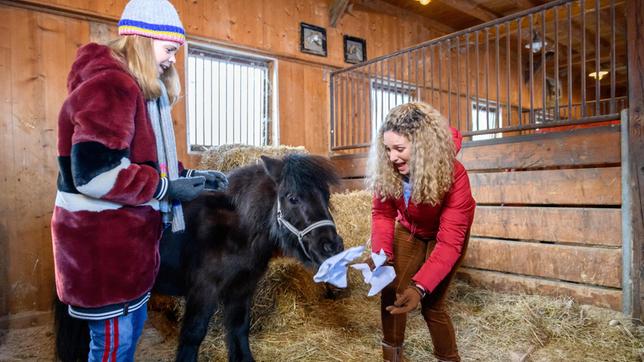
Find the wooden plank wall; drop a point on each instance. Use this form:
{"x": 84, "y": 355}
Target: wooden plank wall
{"x": 549, "y": 213}
{"x": 548, "y": 219}
{"x": 38, "y": 47}
{"x": 35, "y": 52}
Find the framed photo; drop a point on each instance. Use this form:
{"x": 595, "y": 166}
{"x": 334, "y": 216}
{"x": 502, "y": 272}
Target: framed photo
{"x": 355, "y": 50}
{"x": 312, "y": 39}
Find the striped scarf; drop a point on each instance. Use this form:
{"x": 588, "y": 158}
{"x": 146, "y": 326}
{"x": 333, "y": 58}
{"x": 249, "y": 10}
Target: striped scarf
{"x": 161, "y": 119}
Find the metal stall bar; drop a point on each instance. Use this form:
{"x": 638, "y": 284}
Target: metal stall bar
{"x": 556, "y": 64}
{"x": 597, "y": 53}
{"x": 582, "y": 13}
{"x": 543, "y": 67}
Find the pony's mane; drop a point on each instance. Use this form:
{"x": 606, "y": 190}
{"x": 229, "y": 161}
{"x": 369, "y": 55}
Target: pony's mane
{"x": 303, "y": 172}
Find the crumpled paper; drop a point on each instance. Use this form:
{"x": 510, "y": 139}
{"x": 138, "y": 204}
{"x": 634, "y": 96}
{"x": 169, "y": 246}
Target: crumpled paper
{"x": 334, "y": 269}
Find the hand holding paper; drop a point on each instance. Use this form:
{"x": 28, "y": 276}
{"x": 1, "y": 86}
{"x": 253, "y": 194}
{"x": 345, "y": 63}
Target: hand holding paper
{"x": 380, "y": 276}
{"x": 334, "y": 270}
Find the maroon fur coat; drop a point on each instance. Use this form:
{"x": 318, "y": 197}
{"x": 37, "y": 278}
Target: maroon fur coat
{"x": 106, "y": 224}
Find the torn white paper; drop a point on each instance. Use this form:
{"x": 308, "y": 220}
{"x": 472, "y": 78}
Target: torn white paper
{"x": 334, "y": 269}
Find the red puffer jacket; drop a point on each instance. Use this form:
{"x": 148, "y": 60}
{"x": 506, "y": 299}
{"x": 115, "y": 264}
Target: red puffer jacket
{"x": 447, "y": 222}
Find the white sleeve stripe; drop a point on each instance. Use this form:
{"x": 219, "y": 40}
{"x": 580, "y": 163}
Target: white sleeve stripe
{"x": 103, "y": 183}
{"x": 163, "y": 188}
{"x": 79, "y": 202}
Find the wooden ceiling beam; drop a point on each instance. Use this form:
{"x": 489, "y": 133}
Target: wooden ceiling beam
{"x": 620, "y": 27}
{"x": 603, "y": 22}
{"x": 470, "y": 8}
{"x": 563, "y": 43}
{"x": 383, "y": 7}
{"x": 338, "y": 8}
{"x": 523, "y": 4}
{"x": 589, "y": 34}
{"x": 590, "y": 58}
{"x": 519, "y": 4}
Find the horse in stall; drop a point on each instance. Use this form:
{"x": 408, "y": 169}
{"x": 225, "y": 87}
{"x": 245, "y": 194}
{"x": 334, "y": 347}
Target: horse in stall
{"x": 279, "y": 206}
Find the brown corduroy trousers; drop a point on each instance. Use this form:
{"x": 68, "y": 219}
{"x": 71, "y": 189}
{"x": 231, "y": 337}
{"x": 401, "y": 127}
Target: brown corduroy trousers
{"x": 409, "y": 255}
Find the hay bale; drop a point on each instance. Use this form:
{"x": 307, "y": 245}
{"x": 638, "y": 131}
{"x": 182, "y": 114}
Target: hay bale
{"x": 352, "y": 215}
{"x": 295, "y": 319}
{"x": 287, "y": 300}
{"x": 227, "y": 157}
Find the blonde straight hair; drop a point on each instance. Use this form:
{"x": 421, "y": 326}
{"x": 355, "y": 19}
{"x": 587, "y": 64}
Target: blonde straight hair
{"x": 137, "y": 53}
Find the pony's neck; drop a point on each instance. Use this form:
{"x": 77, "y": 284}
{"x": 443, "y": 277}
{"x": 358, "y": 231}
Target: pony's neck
{"x": 256, "y": 200}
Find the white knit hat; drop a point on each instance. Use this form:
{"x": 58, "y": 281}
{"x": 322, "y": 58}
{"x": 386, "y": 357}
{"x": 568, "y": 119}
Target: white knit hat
{"x": 155, "y": 19}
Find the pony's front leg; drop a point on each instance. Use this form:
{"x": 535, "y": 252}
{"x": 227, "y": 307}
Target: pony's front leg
{"x": 200, "y": 305}
{"x": 237, "y": 321}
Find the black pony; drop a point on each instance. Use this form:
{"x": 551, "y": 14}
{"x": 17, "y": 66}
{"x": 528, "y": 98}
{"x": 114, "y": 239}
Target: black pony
{"x": 230, "y": 238}
{"x": 279, "y": 206}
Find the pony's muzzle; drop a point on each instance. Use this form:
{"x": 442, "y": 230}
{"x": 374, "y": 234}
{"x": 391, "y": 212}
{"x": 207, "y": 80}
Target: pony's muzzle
{"x": 323, "y": 243}
{"x": 332, "y": 245}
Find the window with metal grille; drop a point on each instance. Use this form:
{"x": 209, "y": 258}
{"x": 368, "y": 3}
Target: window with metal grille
{"x": 386, "y": 95}
{"x": 228, "y": 98}
{"x": 485, "y": 115}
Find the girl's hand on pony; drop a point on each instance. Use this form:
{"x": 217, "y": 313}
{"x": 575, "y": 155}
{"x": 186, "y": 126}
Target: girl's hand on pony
{"x": 215, "y": 180}
{"x": 407, "y": 301}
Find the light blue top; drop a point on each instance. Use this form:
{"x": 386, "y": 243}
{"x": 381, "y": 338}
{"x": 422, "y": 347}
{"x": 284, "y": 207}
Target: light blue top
{"x": 406, "y": 190}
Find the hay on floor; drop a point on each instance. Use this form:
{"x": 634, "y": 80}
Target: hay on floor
{"x": 295, "y": 319}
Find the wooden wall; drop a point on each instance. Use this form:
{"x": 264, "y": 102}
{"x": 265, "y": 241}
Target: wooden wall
{"x": 548, "y": 218}
{"x": 35, "y": 53}
{"x": 38, "y": 47}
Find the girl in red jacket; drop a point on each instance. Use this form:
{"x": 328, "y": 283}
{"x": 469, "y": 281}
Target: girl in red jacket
{"x": 421, "y": 216}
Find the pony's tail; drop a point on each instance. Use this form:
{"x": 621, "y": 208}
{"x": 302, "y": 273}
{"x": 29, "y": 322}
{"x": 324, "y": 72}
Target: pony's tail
{"x": 72, "y": 335}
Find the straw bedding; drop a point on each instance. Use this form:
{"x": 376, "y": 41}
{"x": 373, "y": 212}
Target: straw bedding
{"x": 294, "y": 319}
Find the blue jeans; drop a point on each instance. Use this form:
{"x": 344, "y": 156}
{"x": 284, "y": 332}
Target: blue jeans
{"x": 115, "y": 339}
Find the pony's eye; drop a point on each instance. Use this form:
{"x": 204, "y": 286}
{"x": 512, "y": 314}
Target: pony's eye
{"x": 292, "y": 199}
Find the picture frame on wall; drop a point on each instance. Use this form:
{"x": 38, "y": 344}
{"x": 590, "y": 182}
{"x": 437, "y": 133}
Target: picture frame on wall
{"x": 355, "y": 50}
{"x": 313, "y": 39}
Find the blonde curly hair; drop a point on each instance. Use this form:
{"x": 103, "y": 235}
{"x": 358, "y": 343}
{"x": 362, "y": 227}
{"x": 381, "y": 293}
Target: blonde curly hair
{"x": 432, "y": 158}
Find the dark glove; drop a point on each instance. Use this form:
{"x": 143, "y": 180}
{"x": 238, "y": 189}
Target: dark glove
{"x": 215, "y": 180}
{"x": 185, "y": 188}
{"x": 407, "y": 301}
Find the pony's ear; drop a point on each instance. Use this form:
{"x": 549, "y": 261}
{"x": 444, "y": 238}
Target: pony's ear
{"x": 273, "y": 167}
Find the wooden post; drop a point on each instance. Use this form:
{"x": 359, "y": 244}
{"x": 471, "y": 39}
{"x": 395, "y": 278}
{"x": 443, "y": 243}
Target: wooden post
{"x": 634, "y": 159}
